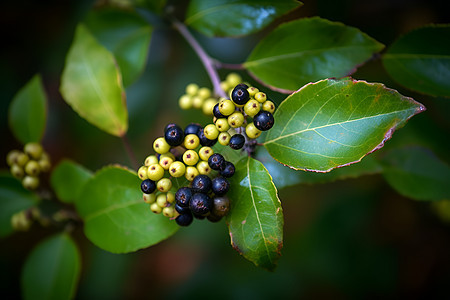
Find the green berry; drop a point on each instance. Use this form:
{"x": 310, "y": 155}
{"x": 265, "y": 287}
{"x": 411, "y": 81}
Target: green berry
{"x": 12, "y": 156}
{"x": 224, "y": 138}
{"x": 33, "y": 150}
{"x": 32, "y": 168}
{"x": 44, "y": 163}
{"x": 155, "y": 172}
{"x": 192, "y": 89}
{"x": 224, "y": 86}
{"x": 197, "y": 102}
{"x": 177, "y": 169}
{"x": 203, "y": 168}
{"x": 149, "y": 198}
{"x": 142, "y": 173}
{"x": 191, "y": 141}
{"x": 160, "y": 146}
{"x": 205, "y": 152}
{"x": 154, "y": 207}
{"x": 211, "y": 131}
{"x": 190, "y": 157}
{"x": 168, "y": 212}
{"x": 150, "y": 160}
{"x": 17, "y": 171}
{"x": 268, "y": 106}
{"x": 252, "y": 107}
{"x": 22, "y": 159}
{"x": 233, "y": 79}
{"x": 161, "y": 200}
{"x": 251, "y": 131}
{"x": 252, "y": 91}
{"x": 260, "y": 97}
{"x": 164, "y": 185}
{"x": 170, "y": 197}
{"x": 30, "y": 182}
{"x": 236, "y": 119}
{"x": 204, "y": 93}
{"x": 208, "y": 106}
{"x": 226, "y": 107}
{"x": 191, "y": 173}
{"x": 222, "y": 124}
{"x": 185, "y": 102}
{"x": 165, "y": 162}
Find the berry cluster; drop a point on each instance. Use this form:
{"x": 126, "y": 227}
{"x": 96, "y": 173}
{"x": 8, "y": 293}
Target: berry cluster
{"x": 26, "y": 165}
{"x": 186, "y": 153}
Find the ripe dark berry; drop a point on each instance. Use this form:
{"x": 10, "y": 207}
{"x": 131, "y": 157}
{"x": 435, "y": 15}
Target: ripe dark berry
{"x": 182, "y": 196}
{"x": 182, "y": 210}
{"x": 216, "y": 112}
{"x": 170, "y": 125}
{"x": 204, "y": 141}
{"x": 200, "y": 204}
{"x": 184, "y": 219}
{"x": 220, "y": 186}
{"x": 201, "y": 184}
{"x": 237, "y": 141}
{"x": 192, "y": 128}
{"x": 148, "y": 186}
{"x": 221, "y": 206}
{"x": 174, "y": 135}
{"x": 263, "y": 120}
{"x": 216, "y": 162}
{"x": 240, "y": 95}
{"x": 228, "y": 170}
{"x": 213, "y": 218}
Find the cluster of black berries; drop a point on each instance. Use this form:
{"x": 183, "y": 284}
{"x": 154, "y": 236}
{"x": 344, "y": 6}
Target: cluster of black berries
{"x": 26, "y": 165}
{"x": 185, "y": 153}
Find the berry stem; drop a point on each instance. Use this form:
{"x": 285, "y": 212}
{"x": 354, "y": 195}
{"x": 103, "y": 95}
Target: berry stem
{"x": 130, "y": 153}
{"x": 221, "y": 65}
{"x": 207, "y": 61}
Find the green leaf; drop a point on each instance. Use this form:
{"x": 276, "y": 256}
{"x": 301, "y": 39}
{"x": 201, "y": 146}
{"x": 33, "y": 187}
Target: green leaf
{"x": 91, "y": 83}
{"x": 116, "y": 218}
{"x": 333, "y": 123}
{"x": 255, "y": 221}
{"x": 28, "y": 112}
{"x": 417, "y": 173}
{"x": 420, "y": 60}
{"x": 13, "y": 199}
{"x": 307, "y": 50}
{"x": 236, "y": 17}
{"x": 52, "y": 269}
{"x": 68, "y": 179}
{"x": 126, "y": 35}
{"x": 284, "y": 176}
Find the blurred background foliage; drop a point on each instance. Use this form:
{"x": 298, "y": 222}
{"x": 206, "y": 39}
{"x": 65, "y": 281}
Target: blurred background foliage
{"x": 355, "y": 238}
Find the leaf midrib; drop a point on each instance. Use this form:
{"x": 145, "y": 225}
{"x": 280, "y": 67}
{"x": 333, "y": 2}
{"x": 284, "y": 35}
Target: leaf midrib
{"x": 110, "y": 209}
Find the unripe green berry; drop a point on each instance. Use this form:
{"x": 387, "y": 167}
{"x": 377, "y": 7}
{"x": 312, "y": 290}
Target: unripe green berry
{"x": 165, "y": 162}
{"x": 191, "y": 141}
{"x": 233, "y": 79}
{"x": 168, "y": 154}
{"x": 191, "y": 173}
{"x": 164, "y": 185}
{"x": 222, "y": 124}
{"x": 30, "y": 182}
{"x": 32, "y": 168}
{"x": 17, "y": 171}
{"x": 208, "y": 106}
{"x": 161, "y": 200}
{"x": 177, "y": 169}
{"x": 22, "y": 159}
{"x": 205, "y": 152}
{"x": 252, "y": 91}
{"x": 185, "y": 102}
{"x": 149, "y": 198}
{"x": 155, "y": 172}
{"x": 33, "y": 150}
{"x": 252, "y": 107}
{"x": 251, "y": 131}
{"x": 224, "y": 86}
{"x": 197, "y": 102}
{"x": 236, "y": 119}
{"x": 211, "y": 131}
{"x": 170, "y": 197}
{"x": 160, "y": 146}
{"x": 268, "y": 106}
{"x": 44, "y": 163}
{"x": 260, "y": 97}
{"x": 12, "y": 156}
{"x": 226, "y": 107}
{"x": 192, "y": 89}
{"x": 142, "y": 173}
{"x": 20, "y": 221}
{"x": 204, "y": 93}
{"x": 150, "y": 160}
{"x": 190, "y": 157}
{"x": 203, "y": 168}
{"x": 154, "y": 207}
{"x": 224, "y": 138}
{"x": 168, "y": 212}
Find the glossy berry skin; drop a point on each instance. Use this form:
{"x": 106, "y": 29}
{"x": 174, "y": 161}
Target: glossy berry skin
{"x": 191, "y": 141}
{"x": 200, "y": 204}
{"x": 184, "y": 219}
{"x": 221, "y": 206}
{"x": 191, "y": 172}
{"x": 217, "y": 113}
{"x": 148, "y": 186}
{"x": 190, "y": 157}
{"x": 236, "y": 119}
{"x": 237, "y": 141}
{"x": 161, "y": 146}
{"x": 182, "y": 210}
{"x": 220, "y": 186}
{"x": 183, "y": 196}
{"x": 216, "y": 161}
{"x": 174, "y": 135}
{"x": 251, "y": 131}
{"x": 228, "y": 170}
{"x": 204, "y": 141}
{"x": 263, "y": 120}
{"x": 192, "y": 128}
{"x": 240, "y": 95}
{"x": 205, "y": 153}
{"x": 168, "y": 126}
{"x": 226, "y": 107}
{"x": 224, "y": 138}
{"x": 201, "y": 184}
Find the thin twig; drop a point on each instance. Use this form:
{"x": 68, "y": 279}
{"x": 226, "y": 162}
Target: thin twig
{"x": 222, "y": 65}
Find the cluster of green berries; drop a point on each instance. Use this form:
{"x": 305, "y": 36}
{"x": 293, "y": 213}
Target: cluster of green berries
{"x": 186, "y": 153}
{"x": 28, "y": 164}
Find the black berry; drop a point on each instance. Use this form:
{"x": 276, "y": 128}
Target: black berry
{"x": 204, "y": 141}
{"x": 170, "y": 125}
{"x": 182, "y": 210}
{"x": 220, "y": 186}
{"x": 174, "y": 135}
{"x": 263, "y": 120}
{"x": 217, "y": 113}
{"x": 221, "y": 206}
{"x": 201, "y": 184}
{"x": 200, "y": 204}
{"x": 216, "y": 162}
{"x": 182, "y": 196}
{"x": 192, "y": 128}
{"x": 184, "y": 219}
{"x": 240, "y": 95}
{"x": 228, "y": 170}
{"x": 213, "y": 218}
{"x": 148, "y": 186}
{"x": 237, "y": 141}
